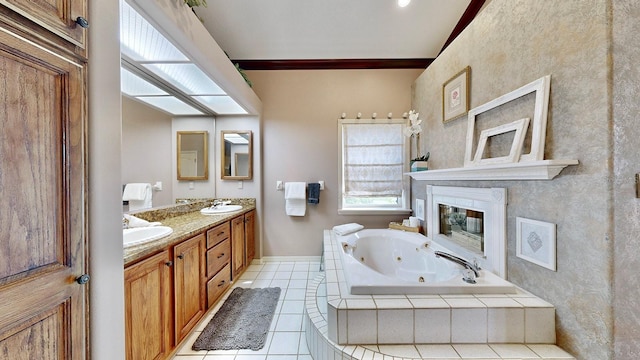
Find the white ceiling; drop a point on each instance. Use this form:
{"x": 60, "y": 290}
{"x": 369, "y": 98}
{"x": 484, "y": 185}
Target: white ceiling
{"x": 330, "y": 29}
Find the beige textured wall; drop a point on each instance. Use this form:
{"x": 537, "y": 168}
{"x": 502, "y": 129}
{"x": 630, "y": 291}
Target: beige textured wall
{"x": 511, "y": 43}
{"x": 300, "y": 143}
{"x": 146, "y": 148}
{"x": 626, "y": 87}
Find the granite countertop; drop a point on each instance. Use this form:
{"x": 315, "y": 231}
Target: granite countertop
{"x": 184, "y": 227}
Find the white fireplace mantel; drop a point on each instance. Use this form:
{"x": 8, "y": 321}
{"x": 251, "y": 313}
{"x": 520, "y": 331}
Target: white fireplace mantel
{"x": 527, "y": 170}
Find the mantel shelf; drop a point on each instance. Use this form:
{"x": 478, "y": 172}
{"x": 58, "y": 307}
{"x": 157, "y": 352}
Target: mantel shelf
{"x": 529, "y": 170}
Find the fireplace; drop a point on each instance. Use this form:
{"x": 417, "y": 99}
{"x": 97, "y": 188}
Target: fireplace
{"x": 470, "y": 222}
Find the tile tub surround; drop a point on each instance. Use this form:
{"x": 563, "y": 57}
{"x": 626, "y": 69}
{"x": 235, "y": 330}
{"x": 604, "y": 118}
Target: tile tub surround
{"x": 409, "y": 319}
{"x": 185, "y": 225}
{"x": 322, "y": 348}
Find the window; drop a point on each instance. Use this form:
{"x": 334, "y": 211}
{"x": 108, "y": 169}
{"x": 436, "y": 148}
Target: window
{"x": 373, "y": 160}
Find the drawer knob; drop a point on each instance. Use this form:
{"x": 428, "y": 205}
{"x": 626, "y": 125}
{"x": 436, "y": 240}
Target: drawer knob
{"x": 181, "y": 256}
{"x": 82, "y": 22}
{"x": 169, "y": 263}
{"x": 221, "y": 283}
{"x": 221, "y": 255}
{"x": 83, "y": 279}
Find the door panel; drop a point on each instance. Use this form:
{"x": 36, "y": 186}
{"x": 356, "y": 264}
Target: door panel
{"x": 189, "y": 257}
{"x": 148, "y": 308}
{"x": 42, "y": 219}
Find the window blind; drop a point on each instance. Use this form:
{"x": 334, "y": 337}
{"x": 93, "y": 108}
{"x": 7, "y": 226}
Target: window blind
{"x": 373, "y": 159}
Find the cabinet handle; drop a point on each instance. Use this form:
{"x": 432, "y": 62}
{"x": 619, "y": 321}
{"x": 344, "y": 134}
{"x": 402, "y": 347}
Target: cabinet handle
{"x": 221, "y": 255}
{"x": 82, "y": 22}
{"x": 169, "y": 263}
{"x": 181, "y": 256}
{"x": 221, "y": 283}
{"x": 220, "y": 233}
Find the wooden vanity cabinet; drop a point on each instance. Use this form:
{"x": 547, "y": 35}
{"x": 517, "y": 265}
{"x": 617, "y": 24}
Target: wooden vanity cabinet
{"x": 148, "y": 308}
{"x": 249, "y": 237}
{"x": 237, "y": 246}
{"x": 189, "y": 293}
{"x": 242, "y": 242}
{"x": 218, "y": 278}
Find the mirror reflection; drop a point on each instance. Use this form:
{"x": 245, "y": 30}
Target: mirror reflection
{"x": 237, "y": 155}
{"x": 463, "y": 226}
{"x": 193, "y": 155}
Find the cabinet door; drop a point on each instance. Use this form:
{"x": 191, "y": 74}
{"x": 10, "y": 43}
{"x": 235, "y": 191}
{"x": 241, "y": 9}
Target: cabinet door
{"x": 148, "y": 308}
{"x": 237, "y": 246}
{"x": 42, "y": 221}
{"x": 249, "y": 236}
{"x": 58, "y": 17}
{"x": 189, "y": 258}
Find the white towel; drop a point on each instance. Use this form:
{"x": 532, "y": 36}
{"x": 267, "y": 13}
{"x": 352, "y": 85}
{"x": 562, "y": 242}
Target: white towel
{"x": 139, "y": 195}
{"x": 295, "y": 198}
{"x": 349, "y": 228}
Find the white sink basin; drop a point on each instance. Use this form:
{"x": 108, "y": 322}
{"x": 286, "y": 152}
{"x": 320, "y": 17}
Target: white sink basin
{"x": 140, "y": 235}
{"x": 220, "y": 209}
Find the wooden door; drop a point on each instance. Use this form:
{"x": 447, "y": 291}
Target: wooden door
{"x": 237, "y": 246}
{"x": 148, "y": 321}
{"x": 190, "y": 295}
{"x": 249, "y": 235}
{"x": 57, "y": 16}
{"x": 42, "y": 218}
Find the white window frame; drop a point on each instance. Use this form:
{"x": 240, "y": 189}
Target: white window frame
{"x": 404, "y": 207}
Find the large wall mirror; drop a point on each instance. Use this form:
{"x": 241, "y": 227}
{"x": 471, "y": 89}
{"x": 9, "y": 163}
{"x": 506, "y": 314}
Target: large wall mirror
{"x": 193, "y": 160}
{"x": 237, "y": 155}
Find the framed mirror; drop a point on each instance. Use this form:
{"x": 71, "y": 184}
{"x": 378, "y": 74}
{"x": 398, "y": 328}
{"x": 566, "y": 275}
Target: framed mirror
{"x": 236, "y": 155}
{"x": 193, "y": 160}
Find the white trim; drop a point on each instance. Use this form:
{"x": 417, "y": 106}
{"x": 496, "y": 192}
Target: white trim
{"x": 530, "y": 170}
{"x": 491, "y": 201}
{"x": 267, "y": 259}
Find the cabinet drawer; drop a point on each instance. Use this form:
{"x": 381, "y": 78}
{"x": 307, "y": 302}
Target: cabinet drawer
{"x": 218, "y": 257}
{"x": 218, "y": 284}
{"x": 217, "y": 234}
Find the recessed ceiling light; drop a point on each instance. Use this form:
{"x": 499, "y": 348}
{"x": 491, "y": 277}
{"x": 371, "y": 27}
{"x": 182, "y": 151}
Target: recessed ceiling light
{"x": 403, "y": 3}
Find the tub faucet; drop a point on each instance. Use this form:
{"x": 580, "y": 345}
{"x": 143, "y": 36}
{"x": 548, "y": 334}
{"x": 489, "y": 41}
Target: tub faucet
{"x": 471, "y": 266}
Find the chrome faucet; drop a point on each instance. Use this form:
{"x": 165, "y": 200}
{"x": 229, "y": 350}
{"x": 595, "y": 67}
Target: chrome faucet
{"x": 217, "y": 203}
{"x": 471, "y": 266}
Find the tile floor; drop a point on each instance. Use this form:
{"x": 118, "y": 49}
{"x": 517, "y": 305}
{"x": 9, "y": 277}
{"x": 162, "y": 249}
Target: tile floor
{"x": 286, "y": 339}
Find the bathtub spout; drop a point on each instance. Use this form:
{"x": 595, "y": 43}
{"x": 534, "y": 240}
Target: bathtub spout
{"x": 473, "y": 267}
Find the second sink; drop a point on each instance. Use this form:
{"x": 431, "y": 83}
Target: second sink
{"x": 140, "y": 235}
{"x": 220, "y": 209}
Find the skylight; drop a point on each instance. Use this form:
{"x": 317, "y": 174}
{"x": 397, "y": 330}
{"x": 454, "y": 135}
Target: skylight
{"x": 163, "y": 76}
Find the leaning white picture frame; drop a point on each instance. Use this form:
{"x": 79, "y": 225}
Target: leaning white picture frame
{"x": 520, "y": 128}
{"x": 541, "y": 88}
{"x": 536, "y": 242}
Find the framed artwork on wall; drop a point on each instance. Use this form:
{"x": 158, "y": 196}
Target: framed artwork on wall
{"x": 536, "y": 242}
{"x": 419, "y": 210}
{"x": 455, "y": 95}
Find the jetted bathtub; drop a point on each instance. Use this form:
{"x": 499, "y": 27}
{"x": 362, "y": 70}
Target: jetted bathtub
{"x": 387, "y": 262}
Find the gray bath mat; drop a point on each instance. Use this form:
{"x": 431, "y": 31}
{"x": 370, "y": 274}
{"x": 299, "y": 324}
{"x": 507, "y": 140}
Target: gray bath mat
{"x": 242, "y": 322}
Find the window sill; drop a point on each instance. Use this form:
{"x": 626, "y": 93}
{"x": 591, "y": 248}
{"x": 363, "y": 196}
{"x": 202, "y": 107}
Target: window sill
{"x": 370, "y": 211}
